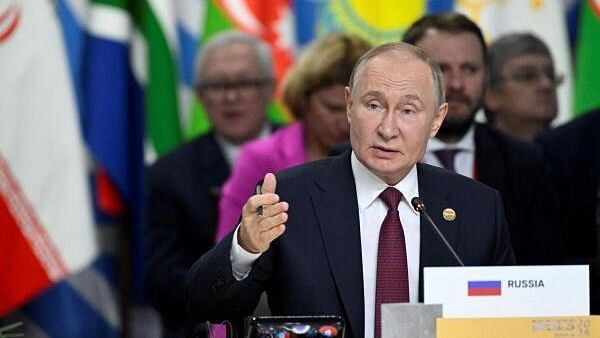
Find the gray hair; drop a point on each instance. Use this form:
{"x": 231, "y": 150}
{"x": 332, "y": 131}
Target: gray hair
{"x": 402, "y": 47}
{"x": 226, "y": 38}
{"x": 508, "y": 47}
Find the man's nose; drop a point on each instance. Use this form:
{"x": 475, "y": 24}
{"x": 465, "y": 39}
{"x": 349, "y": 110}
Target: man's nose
{"x": 231, "y": 94}
{"x": 454, "y": 80}
{"x": 548, "y": 82}
{"x": 387, "y": 126}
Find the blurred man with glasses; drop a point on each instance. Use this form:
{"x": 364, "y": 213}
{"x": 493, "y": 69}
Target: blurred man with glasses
{"x": 234, "y": 80}
{"x": 520, "y": 97}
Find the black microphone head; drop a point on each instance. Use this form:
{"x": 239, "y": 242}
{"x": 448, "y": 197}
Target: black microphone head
{"x": 418, "y": 204}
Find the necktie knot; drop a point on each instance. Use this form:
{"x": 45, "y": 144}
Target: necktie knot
{"x": 446, "y": 157}
{"x": 391, "y": 197}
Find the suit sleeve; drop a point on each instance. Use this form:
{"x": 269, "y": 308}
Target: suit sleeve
{"x": 167, "y": 260}
{"x": 213, "y": 294}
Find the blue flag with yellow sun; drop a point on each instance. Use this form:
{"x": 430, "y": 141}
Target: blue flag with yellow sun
{"x": 376, "y": 20}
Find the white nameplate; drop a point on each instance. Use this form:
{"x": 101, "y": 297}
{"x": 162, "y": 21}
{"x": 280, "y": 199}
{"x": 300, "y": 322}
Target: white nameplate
{"x": 509, "y": 291}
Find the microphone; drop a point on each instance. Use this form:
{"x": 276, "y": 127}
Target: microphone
{"x": 419, "y": 206}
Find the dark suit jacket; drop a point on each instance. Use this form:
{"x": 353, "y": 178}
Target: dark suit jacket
{"x": 517, "y": 171}
{"x": 182, "y": 214}
{"x": 315, "y": 267}
{"x": 572, "y": 154}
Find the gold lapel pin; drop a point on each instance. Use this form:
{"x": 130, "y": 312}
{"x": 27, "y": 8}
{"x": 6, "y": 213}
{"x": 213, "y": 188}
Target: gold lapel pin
{"x": 449, "y": 214}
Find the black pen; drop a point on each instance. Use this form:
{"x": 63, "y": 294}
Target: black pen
{"x": 260, "y": 208}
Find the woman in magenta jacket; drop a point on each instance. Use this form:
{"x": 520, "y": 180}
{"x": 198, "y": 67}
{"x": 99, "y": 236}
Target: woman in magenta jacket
{"x": 314, "y": 92}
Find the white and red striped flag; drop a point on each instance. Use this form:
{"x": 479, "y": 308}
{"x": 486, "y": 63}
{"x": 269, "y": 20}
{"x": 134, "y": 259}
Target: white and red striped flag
{"x": 46, "y": 228}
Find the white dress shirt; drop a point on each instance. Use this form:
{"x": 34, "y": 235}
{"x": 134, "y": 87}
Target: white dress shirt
{"x": 372, "y": 210}
{"x": 464, "y": 161}
{"x": 231, "y": 150}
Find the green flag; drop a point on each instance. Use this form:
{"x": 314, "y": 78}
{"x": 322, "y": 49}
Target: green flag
{"x": 587, "y": 68}
{"x": 163, "y": 123}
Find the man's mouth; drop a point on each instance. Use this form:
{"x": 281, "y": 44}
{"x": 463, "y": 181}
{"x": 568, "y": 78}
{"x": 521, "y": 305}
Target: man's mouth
{"x": 385, "y": 151}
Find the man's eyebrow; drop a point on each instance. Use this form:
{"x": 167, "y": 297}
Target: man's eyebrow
{"x": 407, "y": 97}
{"x": 374, "y": 93}
{"x": 414, "y": 97}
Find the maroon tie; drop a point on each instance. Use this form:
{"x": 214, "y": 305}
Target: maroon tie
{"x": 392, "y": 269}
{"x": 446, "y": 157}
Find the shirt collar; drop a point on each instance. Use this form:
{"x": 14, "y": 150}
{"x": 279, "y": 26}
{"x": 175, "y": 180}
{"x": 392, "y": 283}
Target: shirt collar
{"x": 231, "y": 150}
{"x": 369, "y": 186}
{"x": 466, "y": 143}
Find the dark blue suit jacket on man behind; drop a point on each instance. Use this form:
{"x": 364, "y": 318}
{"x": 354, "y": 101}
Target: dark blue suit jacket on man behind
{"x": 516, "y": 170}
{"x": 572, "y": 155}
{"x": 315, "y": 267}
{"x": 183, "y": 191}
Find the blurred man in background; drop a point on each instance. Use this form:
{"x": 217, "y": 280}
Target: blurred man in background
{"x": 520, "y": 97}
{"x": 481, "y": 152}
{"x": 234, "y": 81}
{"x": 572, "y": 154}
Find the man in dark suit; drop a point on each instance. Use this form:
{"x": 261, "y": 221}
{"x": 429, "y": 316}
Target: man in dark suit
{"x": 481, "y": 152}
{"x": 572, "y": 154}
{"x": 234, "y": 81}
{"x": 339, "y": 236}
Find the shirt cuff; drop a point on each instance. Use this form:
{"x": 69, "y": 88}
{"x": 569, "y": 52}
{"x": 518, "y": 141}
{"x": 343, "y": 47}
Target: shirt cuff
{"x": 241, "y": 260}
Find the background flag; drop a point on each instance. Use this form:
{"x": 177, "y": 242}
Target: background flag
{"x": 45, "y": 208}
{"x": 587, "y": 77}
{"x": 376, "y": 20}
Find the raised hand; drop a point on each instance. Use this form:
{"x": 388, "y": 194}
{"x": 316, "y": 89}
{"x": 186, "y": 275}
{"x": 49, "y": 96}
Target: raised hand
{"x": 263, "y": 218}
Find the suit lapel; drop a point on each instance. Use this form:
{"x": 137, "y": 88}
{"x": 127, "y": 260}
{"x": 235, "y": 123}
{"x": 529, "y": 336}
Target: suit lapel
{"x": 436, "y": 192}
{"x": 336, "y": 206}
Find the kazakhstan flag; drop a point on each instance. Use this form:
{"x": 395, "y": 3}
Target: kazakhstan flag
{"x": 375, "y": 20}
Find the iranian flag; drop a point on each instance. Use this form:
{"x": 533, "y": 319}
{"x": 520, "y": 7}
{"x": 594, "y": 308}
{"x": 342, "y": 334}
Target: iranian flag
{"x": 587, "y": 76}
{"x": 45, "y": 219}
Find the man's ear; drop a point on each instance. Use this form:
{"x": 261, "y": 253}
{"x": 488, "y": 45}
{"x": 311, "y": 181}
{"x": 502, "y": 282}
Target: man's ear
{"x": 348, "y": 96}
{"x": 438, "y": 119}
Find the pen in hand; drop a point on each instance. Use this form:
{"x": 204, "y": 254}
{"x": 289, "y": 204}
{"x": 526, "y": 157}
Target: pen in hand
{"x": 257, "y": 192}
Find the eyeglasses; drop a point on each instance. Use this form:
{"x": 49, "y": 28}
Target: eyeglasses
{"x": 244, "y": 88}
{"x": 532, "y": 75}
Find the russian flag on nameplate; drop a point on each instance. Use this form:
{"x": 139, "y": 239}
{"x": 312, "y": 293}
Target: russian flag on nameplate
{"x": 484, "y": 288}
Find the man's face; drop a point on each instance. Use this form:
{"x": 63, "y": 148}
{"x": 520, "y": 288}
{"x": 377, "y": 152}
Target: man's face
{"x": 460, "y": 56}
{"x": 235, "y": 92}
{"x": 392, "y": 114}
{"x": 527, "y": 92}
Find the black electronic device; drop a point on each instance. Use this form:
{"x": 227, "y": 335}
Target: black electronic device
{"x": 295, "y": 326}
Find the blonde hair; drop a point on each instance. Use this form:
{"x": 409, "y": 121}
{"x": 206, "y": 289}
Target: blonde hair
{"x": 325, "y": 62}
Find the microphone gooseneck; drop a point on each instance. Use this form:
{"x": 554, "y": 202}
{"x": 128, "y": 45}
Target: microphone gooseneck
{"x": 419, "y": 206}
